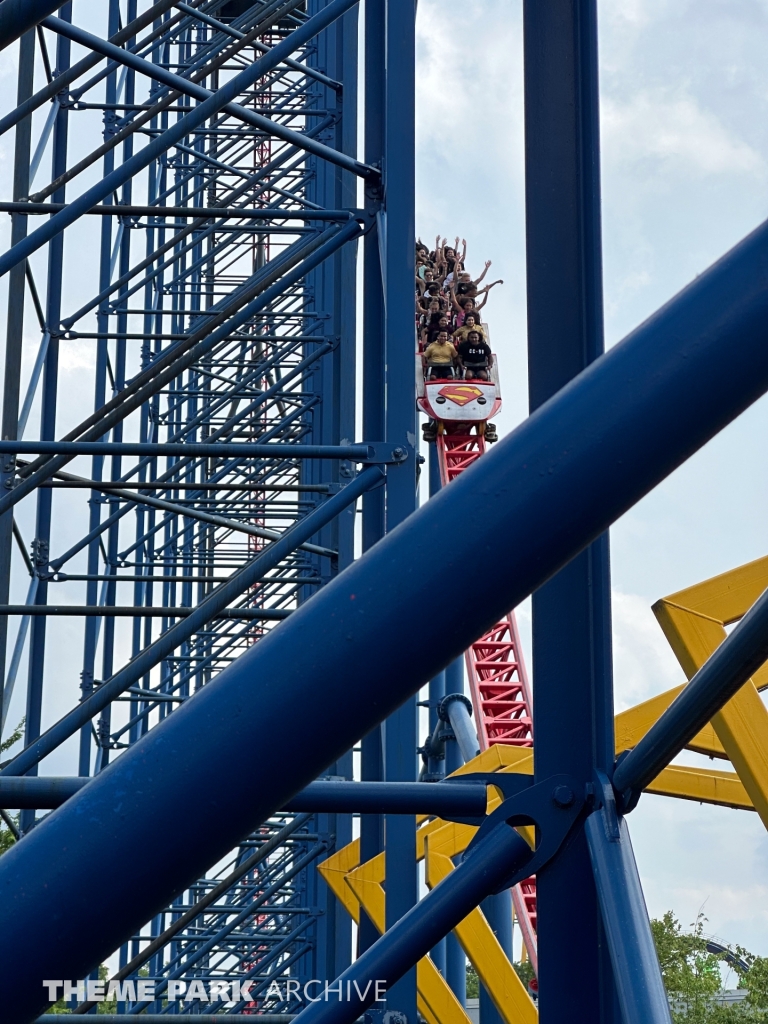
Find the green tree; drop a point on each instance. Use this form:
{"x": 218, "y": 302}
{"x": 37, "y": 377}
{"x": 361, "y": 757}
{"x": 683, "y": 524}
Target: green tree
{"x": 103, "y": 1007}
{"x": 692, "y": 976}
{"x": 525, "y": 971}
{"x": 473, "y": 982}
{"x": 7, "y": 837}
{"x": 523, "y": 968}
{"x": 13, "y": 738}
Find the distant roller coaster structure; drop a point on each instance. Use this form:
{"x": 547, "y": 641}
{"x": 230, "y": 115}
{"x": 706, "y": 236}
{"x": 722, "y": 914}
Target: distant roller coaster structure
{"x": 223, "y": 792}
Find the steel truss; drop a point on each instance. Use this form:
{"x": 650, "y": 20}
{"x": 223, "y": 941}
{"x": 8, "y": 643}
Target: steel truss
{"x": 212, "y": 306}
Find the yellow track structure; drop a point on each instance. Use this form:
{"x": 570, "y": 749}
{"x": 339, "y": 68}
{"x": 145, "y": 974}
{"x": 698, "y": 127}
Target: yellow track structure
{"x": 694, "y": 621}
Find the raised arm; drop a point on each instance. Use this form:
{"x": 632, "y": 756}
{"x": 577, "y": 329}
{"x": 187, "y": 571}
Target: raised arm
{"x": 485, "y": 271}
{"x": 484, "y": 291}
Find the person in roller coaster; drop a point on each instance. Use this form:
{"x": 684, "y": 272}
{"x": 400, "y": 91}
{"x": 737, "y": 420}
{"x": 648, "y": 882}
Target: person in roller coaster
{"x": 466, "y": 286}
{"x": 429, "y": 278}
{"x": 475, "y": 357}
{"x": 440, "y": 357}
{"x": 463, "y": 304}
{"x": 443, "y": 324}
{"x": 431, "y": 325}
{"x": 432, "y": 293}
{"x": 471, "y": 323}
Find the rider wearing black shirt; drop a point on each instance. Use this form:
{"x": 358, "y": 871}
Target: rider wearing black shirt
{"x": 475, "y": 356}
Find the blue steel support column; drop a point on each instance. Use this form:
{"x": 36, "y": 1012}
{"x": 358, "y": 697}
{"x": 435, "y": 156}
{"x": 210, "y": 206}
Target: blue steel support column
{"x": 571, "y": 613}
{"x": 401, "y": 737}
{"x": 455, "y": 958}
{"x": 437, "y": 688}
{"x": 436, "y": 694}
{"x": 625, "y": 916}
{"x": 372, "y": 767}
{"x": 333, "y": 419}
{"x": 48, "y": 422}
{"x": 456, "y": 961}
{"x": 14, "y": 332}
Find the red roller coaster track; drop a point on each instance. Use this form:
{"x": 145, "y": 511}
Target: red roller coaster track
{"x": 497, "y": 678}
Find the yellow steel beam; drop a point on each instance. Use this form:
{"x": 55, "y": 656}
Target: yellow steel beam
{"x": 335, "y": 869}
{"x": 694, "y": 622}
{"x": 703, "y": 785}
{"x": 436, "y": 1001}
{"x": 742, "y": 724}
{"x": 728, "y": 596}
{"x": 477, "y": 938}
{"x": 631, "y": 725}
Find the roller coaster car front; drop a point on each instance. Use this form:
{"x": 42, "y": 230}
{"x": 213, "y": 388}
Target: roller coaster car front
{"x": 459, "y": 403}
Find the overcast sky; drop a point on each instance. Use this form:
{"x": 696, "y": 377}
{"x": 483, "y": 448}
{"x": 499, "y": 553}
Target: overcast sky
{"x": 685, "y": 156}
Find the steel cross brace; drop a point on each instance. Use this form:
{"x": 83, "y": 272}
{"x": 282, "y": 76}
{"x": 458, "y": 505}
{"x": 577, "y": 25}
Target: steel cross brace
{"x": 635, "y": 963}
{"x": 462, "y": 800}
{"x": 178, "y": 131}
{"x": 184, "y": 86}
{"x": 497, "y": 858}
{"x": 368, "y": 453}
{"x": 168, "y": 641}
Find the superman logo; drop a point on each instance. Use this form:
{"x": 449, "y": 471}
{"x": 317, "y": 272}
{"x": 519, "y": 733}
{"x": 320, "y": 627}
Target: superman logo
{"x": 461, "y": 394}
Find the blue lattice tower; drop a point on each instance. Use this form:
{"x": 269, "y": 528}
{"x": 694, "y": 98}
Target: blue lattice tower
{"x": 285, "y": 374}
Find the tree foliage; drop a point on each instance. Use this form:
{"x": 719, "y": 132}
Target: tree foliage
{"x": 693, "y": 976}
{"x": 7, "y": 838}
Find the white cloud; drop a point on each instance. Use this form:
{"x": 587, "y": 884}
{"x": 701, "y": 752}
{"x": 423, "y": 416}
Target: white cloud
{"x": 669, "y": 126}
{"x": 644, "y": 664}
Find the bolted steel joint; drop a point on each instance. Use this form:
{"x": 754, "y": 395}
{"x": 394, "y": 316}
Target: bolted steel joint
{"x": 442, "y": 708}
{"x": 563, "y": 796}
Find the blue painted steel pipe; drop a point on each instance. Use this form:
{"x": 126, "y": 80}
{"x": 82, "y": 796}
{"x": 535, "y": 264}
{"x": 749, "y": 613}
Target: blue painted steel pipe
{"x": 188, "y": 212}
{"x": 457, "y": 709}
{"x": 737, "y": 658}
{"x": 355, "y": 452}
{"x": 625, "y": 917}
{"x": 452, "y": 799}
{"x": 18, "y": 16}
{"x": 548, "y": 489}
{"x": 481, "y": 871}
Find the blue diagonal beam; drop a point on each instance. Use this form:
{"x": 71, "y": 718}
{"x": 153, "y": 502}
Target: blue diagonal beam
{"x": 355, "y": 652}
{"x": 18, "y": 16}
